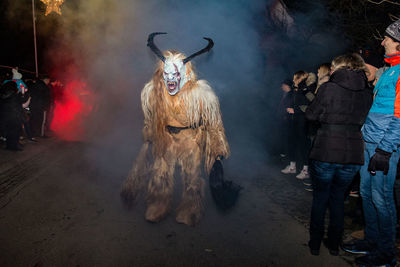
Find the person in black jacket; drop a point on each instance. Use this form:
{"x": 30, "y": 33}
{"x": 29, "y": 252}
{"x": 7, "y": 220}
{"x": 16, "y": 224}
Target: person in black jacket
{"x": 284, "y": 118}
{"x": 303, "y": 85}
{"x": 40, "y": 103}
{"x": 337, "y": 153}
{"x": 12, "y": 114}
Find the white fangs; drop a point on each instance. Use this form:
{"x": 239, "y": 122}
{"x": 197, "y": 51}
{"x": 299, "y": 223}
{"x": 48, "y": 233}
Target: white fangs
{"x": 172, "y": 86}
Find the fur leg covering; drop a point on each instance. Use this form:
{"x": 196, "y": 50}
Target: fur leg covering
{"x": 136, "y": 180}
{"x": 191, "y": 207}
{"x": 160, "y": 189}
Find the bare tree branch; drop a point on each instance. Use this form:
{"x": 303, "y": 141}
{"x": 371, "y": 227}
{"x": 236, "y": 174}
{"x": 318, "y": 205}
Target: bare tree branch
{"x": 393, "y": 17}
{"x": 377, "y": 35}
{"x": 383, "y": 1}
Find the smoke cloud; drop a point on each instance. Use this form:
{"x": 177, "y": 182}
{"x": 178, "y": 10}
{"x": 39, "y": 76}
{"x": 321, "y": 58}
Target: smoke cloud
{"x": 102, "y": 43}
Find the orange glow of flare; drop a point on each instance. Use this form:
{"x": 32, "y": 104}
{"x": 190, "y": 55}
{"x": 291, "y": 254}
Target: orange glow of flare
{"x": 52, "y": 5}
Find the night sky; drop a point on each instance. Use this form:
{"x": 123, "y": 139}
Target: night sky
{"x": 16, "y": 26}
{"x": 16, "y": 29}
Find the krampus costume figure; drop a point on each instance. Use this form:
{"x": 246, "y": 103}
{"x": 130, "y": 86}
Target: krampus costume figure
{"x": 182, "y": 126}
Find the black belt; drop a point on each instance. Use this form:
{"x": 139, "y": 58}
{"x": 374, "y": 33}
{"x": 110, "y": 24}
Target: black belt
{"x": 176, "y": 130}
{"x": 341, "y": 127}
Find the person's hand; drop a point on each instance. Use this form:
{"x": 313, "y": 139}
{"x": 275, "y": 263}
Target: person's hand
{"x": 290, "y": 110}
{"x": 379, "y": 162}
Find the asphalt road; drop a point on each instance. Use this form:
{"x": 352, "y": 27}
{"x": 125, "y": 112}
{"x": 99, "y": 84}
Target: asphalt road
{"x": 60, "y": 206}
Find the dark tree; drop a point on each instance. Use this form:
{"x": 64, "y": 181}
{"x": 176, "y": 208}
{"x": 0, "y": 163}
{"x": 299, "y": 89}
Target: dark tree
{"x": 361, "y": 22}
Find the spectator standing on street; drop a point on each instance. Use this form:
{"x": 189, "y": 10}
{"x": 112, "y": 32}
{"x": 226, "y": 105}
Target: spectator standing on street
{"x": 381, "y": 132}
{"x": 23, "y": 92}
{"x": 341, "y": 107}
{"x": 303, "y": 85}
{"x": 40, "y": 104}
{"x": 323, "y": 74}
{"x": 11, "y": 105}
{"x": 284, "y": 118}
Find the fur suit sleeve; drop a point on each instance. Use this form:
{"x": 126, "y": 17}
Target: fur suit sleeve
{"x": 211, "y": 120}
{"x": 147, "y": 107}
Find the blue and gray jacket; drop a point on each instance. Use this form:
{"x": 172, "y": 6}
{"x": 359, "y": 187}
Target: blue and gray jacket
{"x": 382, "y": 125}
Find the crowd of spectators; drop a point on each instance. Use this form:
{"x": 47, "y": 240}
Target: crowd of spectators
{"x": 341, "y": 134}
{"x": 25, "y": 109}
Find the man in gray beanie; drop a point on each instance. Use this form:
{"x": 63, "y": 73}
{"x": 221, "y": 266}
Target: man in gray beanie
{"x": 393, "y": 31}
{"x": 381, "y": 133}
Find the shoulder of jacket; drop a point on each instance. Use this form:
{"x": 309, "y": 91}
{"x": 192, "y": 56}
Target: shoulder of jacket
{"x": 329, "y": 85}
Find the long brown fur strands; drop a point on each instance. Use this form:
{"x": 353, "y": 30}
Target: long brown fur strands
{"x": 195, "y": 108}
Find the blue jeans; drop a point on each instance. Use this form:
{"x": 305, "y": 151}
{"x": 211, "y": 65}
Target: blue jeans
{"x": 330, "y": 182}
{"x": 378, "y": 204}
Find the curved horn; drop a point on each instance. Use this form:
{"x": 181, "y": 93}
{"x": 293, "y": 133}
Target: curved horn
{"x": 153, "y": 47}
{"x": 206, "y": 49}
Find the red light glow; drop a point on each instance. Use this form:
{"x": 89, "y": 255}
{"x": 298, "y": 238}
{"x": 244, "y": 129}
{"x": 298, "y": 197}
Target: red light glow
{"x": 71, "y": 110}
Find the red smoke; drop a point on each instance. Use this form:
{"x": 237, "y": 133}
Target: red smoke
{"x": 72, "y": 105}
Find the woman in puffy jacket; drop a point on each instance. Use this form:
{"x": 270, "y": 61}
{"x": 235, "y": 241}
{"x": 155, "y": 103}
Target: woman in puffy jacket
{"x": 341, "y": 106}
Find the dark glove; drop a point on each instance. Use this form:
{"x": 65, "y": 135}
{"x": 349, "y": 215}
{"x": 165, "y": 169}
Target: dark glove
{"x": 379, "y": 162}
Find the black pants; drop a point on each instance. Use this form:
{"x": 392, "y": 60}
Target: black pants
{"x": 299, "y": 144}
{"x": 36, "y": 121}
{"x": 12, "y": 131}
{"x": 283, "y": 144}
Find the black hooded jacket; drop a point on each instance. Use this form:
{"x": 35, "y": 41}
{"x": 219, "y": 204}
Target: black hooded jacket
{"x": 11, "y": 103}
{"x": 40, "y": 94}
{"x": 341, "y": 106}
{"x": 300, "y": 100}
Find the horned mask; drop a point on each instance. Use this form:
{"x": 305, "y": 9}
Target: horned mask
{"x": 175, "y": 73}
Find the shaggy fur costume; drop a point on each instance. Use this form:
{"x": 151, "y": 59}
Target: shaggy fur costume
{"x": 199, "y": 137}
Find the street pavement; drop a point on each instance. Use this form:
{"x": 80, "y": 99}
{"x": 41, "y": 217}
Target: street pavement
{"x": 60, "y": 206}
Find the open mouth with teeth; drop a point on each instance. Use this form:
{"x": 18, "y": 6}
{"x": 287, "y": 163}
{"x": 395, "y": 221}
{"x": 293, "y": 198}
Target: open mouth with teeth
{"x": 172, "y": 86}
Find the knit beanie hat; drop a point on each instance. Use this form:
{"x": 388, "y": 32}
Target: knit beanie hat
{"x": 393, "y": 30}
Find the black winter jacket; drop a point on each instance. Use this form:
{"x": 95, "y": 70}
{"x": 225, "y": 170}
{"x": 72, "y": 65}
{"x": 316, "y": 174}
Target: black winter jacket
{"x": 285, "y": 102}
{"x": 300, "y": 101}
{"x": 11, "y": 103}
{"x": 40, "y": 94}
{"x": 341, "y": 106}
